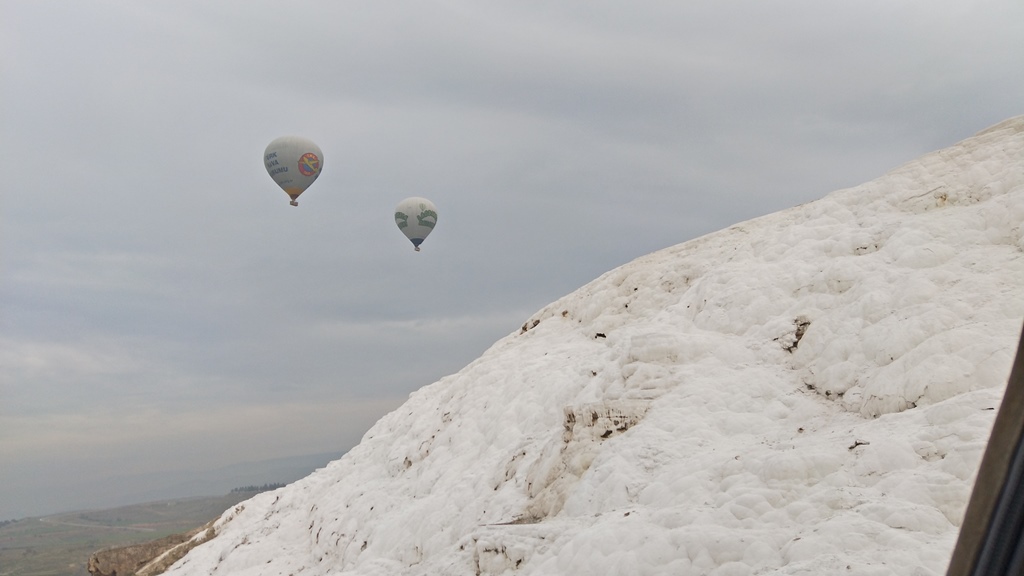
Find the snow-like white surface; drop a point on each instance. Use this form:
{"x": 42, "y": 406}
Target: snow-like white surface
{"x": 809, "y": 392}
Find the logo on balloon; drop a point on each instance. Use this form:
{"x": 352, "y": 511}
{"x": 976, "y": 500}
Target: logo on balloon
{"x": 309, "y": 164}
{"x": 426, "y": 218}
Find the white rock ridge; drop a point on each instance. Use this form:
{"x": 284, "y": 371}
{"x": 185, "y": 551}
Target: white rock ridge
{"x": 809, "y": 392}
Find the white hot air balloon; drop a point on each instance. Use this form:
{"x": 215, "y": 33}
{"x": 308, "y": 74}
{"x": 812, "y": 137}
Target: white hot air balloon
{"x": 294, "y": 163}
{"x": 416, "y": 218}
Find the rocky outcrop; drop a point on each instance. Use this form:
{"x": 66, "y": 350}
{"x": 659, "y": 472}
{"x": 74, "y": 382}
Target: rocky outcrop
{"x": 149, "y": 558}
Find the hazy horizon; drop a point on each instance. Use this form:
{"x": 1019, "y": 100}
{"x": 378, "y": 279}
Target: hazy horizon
{"x": 116, "y": 490}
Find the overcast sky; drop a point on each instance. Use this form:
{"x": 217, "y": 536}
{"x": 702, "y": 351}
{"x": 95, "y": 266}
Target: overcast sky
{"x": 164, "y": 308}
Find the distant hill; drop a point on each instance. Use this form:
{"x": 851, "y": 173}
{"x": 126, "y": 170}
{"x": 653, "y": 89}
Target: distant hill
{"x": 132, "y": 509}
{"x": 60, "y": 545}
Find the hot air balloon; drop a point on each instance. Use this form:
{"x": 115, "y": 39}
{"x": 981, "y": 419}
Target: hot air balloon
{"x": 416, "y": 218}
{"x": 294, "y": 163}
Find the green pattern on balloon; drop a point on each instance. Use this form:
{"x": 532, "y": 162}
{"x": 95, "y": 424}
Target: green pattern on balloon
{"x": 423, "y": 218}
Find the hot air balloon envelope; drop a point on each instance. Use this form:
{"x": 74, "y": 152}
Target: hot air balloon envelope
{"x": 416, "y": 218}
{"x": 294, "y": 163}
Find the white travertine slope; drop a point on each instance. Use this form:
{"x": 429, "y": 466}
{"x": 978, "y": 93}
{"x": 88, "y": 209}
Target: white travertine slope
{"x": 809, "y": 392}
